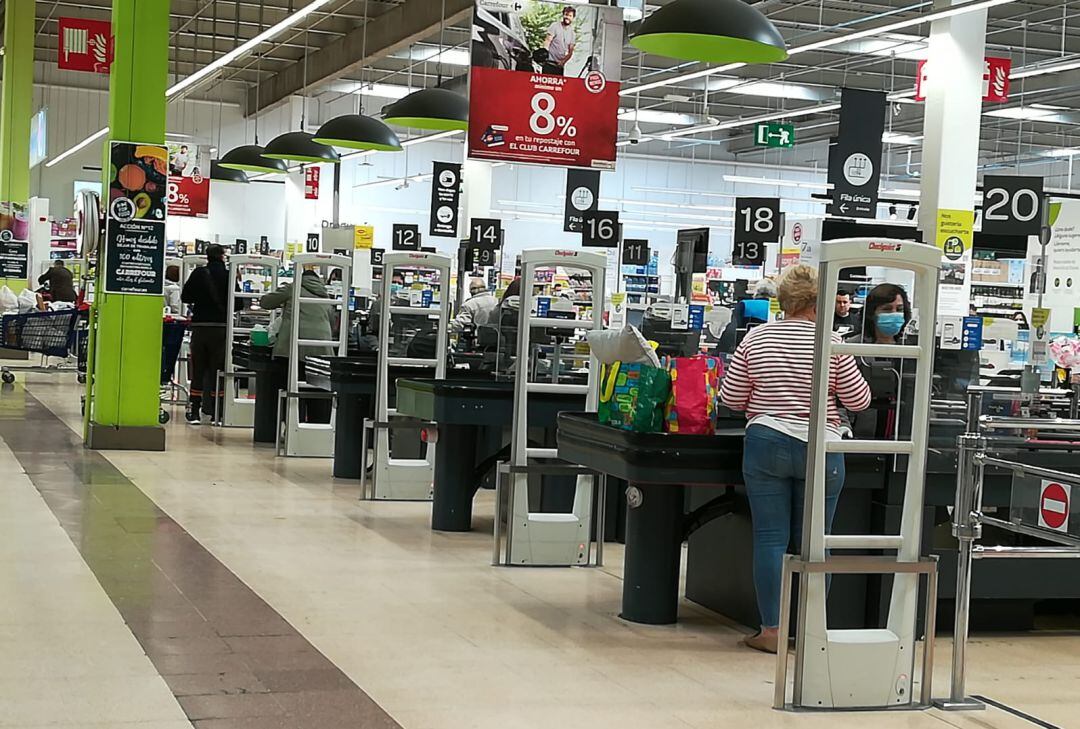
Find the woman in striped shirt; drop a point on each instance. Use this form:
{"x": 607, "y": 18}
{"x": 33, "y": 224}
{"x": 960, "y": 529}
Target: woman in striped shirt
{"x": 770, "y": 378}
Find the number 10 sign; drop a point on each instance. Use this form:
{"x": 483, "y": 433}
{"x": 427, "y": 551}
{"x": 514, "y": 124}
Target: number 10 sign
{"x": 757, "y": 222}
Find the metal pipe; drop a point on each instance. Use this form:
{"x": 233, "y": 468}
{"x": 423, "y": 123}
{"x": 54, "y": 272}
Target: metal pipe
{"x": 1024, "y": 469}
{"x": 1061, "y": 539}
{"x": 974, "y": 410}
{"x": 1002, "y": 552}
{"x": 995, "y": 422}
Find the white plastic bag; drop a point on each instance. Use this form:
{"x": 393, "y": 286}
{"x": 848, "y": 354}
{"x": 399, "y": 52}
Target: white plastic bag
{"x": 622, "y": 345}
{"x": 9, "y": 302}
{"x": 28, "y": 301}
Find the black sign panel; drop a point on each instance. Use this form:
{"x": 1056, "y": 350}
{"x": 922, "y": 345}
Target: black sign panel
{"x": 479, "y": 256}
{"x": 748, "y": 253}
{"x": 13, "y": 258}
{"x": 757, "y": 219}
{"x": 405, "y": 237}
{"x": 342, "y": 251}
{"x": 600, "y": 229}
{"x": 135, "y": 257}
{"x": 445, "y": 199}
{"x": 485, "y": 232}
{"x": 855, "y": 158}
{"x": 240, "y": 247}
{"x": 377, "y": 256}
{"x": 1012, "y": 205}
{"x": 635, "y": 252}
{"x": 312, "y": 243}
{"x": 582, "y": 196}
{"x": 201, "y": 246}
{"x": 698, "y": 241}
{"x": 264, "y": 245}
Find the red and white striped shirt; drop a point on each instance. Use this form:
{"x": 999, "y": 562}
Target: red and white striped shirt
{"x": 770, "y": 376}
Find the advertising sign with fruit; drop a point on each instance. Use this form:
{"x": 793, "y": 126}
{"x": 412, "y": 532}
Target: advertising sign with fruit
{"x": 544, "y": 83}
{"x": 135, "y": 219}
{"x": 14, "y": 232}
{"x": 188, "y": 186}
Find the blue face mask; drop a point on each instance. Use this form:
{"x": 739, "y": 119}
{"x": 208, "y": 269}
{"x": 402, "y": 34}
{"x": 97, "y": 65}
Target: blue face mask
{"x": 890, "y": 323}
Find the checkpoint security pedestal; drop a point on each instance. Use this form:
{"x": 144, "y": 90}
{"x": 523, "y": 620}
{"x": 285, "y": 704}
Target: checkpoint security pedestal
{"x": 870, "y": 668}
{"x": 239, "y": 412}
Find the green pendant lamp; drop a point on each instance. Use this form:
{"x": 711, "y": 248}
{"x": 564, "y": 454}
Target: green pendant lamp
{"x": 711, "y": 31}
{"x": 224, "y": 174}
{"x": 300, "y": 147}
{"x": 249, "y": 158}
{"x": 432, "y": 108}
{"x": 357, "y": 131}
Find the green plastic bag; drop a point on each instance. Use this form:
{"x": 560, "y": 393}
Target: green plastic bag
{"x": 632, "y": 396}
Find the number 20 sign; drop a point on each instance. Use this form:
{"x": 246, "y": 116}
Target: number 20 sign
{"x": 757, "y": 222}
{"x": 1012, "y": 205}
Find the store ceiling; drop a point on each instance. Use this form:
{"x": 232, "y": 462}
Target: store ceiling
{"x": 404, "y": 36}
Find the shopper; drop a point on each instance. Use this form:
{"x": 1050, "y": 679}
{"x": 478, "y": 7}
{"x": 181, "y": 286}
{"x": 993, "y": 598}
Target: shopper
{"x": 314, "y": 323}
{"x": 770, "y": 378}
{"x": 845, "y": 317}
{"x": 1021, "y": 321}
{"x": 764, "y": 290}
{"x": 60, "y": 282}
{"x": 207, "y": 291}
{"x": 478, "y": 309}
{"x": 172, "y": 290}
{"x": 887, "y": 313}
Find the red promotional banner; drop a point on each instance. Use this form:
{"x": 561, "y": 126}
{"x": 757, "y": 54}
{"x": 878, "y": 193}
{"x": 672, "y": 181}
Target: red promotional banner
{"x": 311, "y": 183}
{"x": 544, "y": 83}
{"x": 188, "y": 189}
{"x": 995, "y": 83}
{"x": 85, "y": 45}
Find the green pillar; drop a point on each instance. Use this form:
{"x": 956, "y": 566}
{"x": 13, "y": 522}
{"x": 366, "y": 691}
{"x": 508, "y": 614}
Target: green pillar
{"x": 16, "y": 101}
{"x": 122, "y": 387}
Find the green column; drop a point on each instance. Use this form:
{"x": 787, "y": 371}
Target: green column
{"x": 16, "y": 101}
{"x": 122, "y": 389}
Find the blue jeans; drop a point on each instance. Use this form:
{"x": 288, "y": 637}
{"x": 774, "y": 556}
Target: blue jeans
{"x": 774, "y": 469}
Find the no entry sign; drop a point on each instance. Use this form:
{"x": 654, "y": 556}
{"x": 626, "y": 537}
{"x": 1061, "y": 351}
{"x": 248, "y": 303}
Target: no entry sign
{"x": 1054, "y": 506}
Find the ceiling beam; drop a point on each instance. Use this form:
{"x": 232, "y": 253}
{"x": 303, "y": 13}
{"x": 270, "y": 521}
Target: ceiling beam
{"x": 395, "y": 29}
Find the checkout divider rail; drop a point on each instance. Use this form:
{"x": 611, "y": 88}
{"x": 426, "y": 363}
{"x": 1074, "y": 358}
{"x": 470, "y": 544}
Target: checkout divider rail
{"x": 867, "y": 668}
{"x": 548, "y": 539}
{"x": 403, "y": 479}
{"x": 968, "y": 521}
{"x": 232, "y": 411}
{"x": 311, "y": 440}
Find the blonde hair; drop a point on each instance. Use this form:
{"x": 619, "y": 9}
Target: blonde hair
{"x": 798, "y": 290}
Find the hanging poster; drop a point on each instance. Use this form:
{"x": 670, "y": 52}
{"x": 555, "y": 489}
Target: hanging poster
{"x": 544, "y": 83}
{"x": 135, "y": 219}
{"x": 188, "y": 187}
{"x": 84, "y": 45}
{"x": 1062, "y": 266}
{"x": 995, "y": 80}
{"x": 445, "y": 197}
{"x": 363, "y": 236}
{"x": 582, "y": 196}
{"x": 855, "y": 159}
{"x": 14, "y": 232}
{"x": 311, "y": 182}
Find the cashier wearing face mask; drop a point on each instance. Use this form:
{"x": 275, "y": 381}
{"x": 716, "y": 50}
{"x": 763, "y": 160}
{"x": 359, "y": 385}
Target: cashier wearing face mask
{"x": 888, "y": 312}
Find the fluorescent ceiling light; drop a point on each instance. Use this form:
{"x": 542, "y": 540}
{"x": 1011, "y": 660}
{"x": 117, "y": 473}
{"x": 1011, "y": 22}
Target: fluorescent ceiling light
{"x": 1023, "y": 112}
{"x": 383, "y": 91}
{"x": 653, "y": 116}
{"x": 1062, "y": 152}
{"x": 430, "y": 137}
{"x": 827, "y": 42}
{"x": 777, "y": 182}
{"x": 770, "y": 89}
{"x": 213, "y": 66}
{"x": 909, "y": 47}
{"x": 450, "y": 56}
{"x": 896, "y": 138}
{"x": 67, "y": 153}
{"x": 1042, "y": 69}
{"x": 749, "y": 121}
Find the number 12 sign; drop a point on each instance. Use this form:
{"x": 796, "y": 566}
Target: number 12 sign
{"x": 757, "y": 222}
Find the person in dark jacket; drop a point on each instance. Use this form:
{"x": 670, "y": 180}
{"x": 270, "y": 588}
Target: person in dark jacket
{"x": 207, "y": 291}
{"x": 60, "y": 282}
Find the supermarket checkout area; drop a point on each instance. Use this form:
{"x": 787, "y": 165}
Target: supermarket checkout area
{"x": 688, "y": 488}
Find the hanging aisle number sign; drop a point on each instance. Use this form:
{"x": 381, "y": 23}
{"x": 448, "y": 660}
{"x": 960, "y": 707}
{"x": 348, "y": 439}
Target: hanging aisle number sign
{"x": 600, "y": 229}
{"x": 635, "y": 252}
{"x": 405, "y": 237}
{"x": 377, "y": 256}
{"x": 264, "y": 245}
{"x": 312, "y": 244}
{"x": 485, "y": 233}
{"x": 1012, "y": 205}
{"x": 757, "y": 222}
{"x": 240, "y": 247}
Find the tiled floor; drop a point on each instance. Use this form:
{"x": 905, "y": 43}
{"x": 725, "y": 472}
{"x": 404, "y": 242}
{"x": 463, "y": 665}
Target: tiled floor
{"x": 424, "y": 626}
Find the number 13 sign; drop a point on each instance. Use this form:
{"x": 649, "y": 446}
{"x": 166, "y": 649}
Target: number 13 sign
{"x": 757, "y": 222}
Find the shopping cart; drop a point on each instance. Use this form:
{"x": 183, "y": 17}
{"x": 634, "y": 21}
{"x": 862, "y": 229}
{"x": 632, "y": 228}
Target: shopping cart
{"x": 48, "y": 333}
{"x": 173, "y": 389}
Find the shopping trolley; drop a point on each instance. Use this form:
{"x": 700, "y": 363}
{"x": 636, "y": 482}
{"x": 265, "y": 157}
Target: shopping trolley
{"x": 48, "y": 333}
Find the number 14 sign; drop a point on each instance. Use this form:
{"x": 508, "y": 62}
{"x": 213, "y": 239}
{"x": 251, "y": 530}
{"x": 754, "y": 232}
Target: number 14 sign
{"x": 757, "y": 222}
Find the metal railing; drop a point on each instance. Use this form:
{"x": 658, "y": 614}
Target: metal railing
{"x": 968, "y": 521}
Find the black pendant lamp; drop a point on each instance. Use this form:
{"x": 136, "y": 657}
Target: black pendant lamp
{"x": 432, "y": 108}
{"x": 357, "y": 131}
{"x": 224, "y": 174}
{"x": 710, "y": 31}
{"x": 300, "y": 147}
{"x": 249, "y": 158}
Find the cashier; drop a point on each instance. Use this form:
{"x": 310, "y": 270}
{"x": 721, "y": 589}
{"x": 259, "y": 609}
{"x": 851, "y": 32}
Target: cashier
{"x": 770, "y": 378}
{"x": 477, "y": 309}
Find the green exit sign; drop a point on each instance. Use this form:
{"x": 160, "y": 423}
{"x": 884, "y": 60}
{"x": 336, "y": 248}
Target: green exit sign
{"x": 772, "y": 134}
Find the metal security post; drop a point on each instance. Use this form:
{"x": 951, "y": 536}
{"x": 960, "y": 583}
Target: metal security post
{"x": 967, "y": 529}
